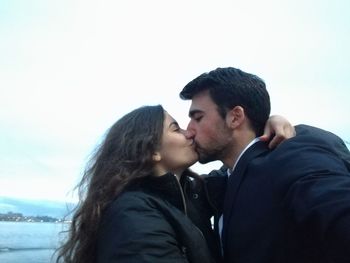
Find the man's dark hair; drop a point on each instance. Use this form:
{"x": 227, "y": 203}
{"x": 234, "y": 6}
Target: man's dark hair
{"x": 230, "y": 87}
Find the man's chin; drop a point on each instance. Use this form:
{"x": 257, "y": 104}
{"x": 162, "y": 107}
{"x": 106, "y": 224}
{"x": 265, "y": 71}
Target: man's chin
{"x": 205, "y": 160}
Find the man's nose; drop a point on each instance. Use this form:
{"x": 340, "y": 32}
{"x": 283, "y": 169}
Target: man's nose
{"x": 189, "y": 132}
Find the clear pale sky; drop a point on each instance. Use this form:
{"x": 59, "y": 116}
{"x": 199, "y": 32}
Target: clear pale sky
{"x": 69, "y": 69}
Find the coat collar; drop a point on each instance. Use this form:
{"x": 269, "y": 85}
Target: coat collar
{"x": 165, "y": 187}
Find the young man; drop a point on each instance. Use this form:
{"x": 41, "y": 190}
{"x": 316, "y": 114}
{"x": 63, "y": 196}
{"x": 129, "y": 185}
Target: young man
{"x": 290, "y": 204}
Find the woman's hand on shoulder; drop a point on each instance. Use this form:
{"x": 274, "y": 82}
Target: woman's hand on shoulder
{"x": 277, "y": 129}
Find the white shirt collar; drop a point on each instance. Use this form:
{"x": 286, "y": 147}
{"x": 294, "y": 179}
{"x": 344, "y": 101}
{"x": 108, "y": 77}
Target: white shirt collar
{"x": 229, "y": 171}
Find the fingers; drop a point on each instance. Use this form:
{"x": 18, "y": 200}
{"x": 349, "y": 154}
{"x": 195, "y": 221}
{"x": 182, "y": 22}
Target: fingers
{"x": 264, "y": 137}
{"x": 276, "y": 140}
{"x": 291, "y": 132}
{"x": 268, "y": 131}
{"x": 278, "y": 129}
{"x": 286, "y": 132}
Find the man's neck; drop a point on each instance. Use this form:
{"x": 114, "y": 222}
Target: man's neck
{"x": 241, "y": 141}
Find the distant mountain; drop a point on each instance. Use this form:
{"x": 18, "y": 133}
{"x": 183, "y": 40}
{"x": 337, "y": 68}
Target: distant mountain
{"x": 29, "y": 207}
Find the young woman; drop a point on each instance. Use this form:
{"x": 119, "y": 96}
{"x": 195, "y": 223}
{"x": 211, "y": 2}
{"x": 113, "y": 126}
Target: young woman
{"x": 138, "y": 200}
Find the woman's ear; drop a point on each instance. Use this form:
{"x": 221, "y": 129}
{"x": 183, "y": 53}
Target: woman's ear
{"x": 156, "y": 157}
{"x": 235, "y": 117}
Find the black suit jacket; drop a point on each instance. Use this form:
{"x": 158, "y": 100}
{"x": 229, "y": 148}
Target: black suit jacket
{"x": 291, "y": 204}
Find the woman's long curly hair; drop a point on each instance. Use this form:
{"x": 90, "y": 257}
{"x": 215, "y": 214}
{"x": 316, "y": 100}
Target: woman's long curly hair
{"x": 124, "y": 157}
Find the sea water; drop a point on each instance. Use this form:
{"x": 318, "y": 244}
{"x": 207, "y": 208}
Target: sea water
{"x": 29, "y": 242}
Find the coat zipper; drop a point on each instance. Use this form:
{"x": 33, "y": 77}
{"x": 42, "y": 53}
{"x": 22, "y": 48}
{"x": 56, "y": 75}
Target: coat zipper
{"x": 182, "y": 195}
{"x": 185, "y": 208}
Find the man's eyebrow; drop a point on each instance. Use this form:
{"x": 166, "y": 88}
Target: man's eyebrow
{"x": 193, "y": 112}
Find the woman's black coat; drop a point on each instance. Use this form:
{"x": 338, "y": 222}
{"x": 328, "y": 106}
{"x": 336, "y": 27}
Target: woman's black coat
{"x": 159, "y": 220}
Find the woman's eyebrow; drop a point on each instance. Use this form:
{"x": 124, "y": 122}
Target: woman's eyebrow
{"x": 173, "y": 123}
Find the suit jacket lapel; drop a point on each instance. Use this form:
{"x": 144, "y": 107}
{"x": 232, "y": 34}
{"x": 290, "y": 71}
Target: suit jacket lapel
{"x": 235, "y": 180}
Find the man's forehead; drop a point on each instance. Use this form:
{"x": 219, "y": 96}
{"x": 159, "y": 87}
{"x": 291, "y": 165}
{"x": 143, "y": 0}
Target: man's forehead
{"x": 202, "y": 102}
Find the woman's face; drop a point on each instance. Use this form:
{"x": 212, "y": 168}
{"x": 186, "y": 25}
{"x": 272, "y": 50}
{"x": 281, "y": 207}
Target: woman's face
{"x": 176, "y": 152}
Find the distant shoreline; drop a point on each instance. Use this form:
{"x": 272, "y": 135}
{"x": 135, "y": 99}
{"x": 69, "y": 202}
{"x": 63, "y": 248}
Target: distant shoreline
{"x": 18, "y": 217}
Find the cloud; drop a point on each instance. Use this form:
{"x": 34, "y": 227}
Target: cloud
{"x": 70, "y": 69}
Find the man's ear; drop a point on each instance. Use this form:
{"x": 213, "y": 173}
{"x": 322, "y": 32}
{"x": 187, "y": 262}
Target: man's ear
{"x": 235, "y": 117}
{"x": 156, "y": 157}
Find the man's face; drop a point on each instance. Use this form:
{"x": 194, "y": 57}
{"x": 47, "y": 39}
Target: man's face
{"x": 208, "y": 129}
